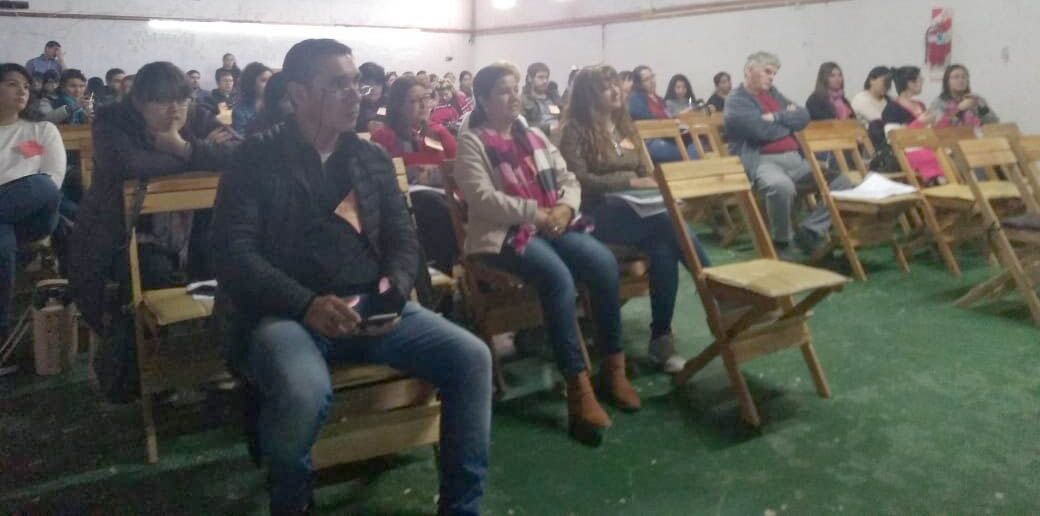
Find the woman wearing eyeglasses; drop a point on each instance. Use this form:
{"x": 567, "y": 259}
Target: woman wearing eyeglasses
{"x": 424, "y": 146}
{"x": 155, "y": 133}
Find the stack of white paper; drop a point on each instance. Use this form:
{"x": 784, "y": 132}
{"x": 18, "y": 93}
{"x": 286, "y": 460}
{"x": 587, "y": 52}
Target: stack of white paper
{"x": 874, "y": 187}
{"x": 646, "y": 203}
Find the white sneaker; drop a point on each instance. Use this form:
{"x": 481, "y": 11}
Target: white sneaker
{"x": 662, "y": 354}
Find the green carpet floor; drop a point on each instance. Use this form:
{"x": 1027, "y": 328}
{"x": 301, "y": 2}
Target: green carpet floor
{"x": 935, "y": 410}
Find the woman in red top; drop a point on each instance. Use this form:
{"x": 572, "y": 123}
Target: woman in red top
{"x": 448, "y": 110}
{"x": 423, "y": 146}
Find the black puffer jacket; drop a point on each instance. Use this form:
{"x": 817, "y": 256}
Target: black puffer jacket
{"x": 277, "y": 244}
{"x": 123, "y": 150}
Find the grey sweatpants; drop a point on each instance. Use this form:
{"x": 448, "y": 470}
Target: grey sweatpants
{"x": 780, "y": 178}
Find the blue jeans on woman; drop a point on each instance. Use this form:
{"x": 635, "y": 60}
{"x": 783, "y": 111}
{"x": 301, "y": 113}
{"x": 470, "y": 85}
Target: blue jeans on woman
{"x": 288, "y": 364}
{"x": 28, "y": 212}
{"x": 655, "y": 236}
{"x": 665, "y": 151}
{"x": 553, "y": 267}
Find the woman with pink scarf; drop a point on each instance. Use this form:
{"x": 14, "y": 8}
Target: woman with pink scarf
{"x": 906, "y": 111}
{"x": 524, "y": 219}
{"x": 957, "y": 105}
{"x": 828, "y": 101}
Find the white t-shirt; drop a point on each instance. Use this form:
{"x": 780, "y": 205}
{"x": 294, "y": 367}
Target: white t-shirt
{"x": 16, "y": 141}
{"x": 868, "y": 108}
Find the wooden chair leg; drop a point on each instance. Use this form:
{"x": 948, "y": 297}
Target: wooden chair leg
{"x": 740, "y": 385}
{"x": 1026, "y": 287}
{"x": 941, "y": 241}
{"x": 849, "y": 247}
{"x": 151, "y": 441}
{"x": 988, "y": 289}
{"x": 897, "y": 248}
{"x": 696, "y": 363}
{"x": 815, "y": 369}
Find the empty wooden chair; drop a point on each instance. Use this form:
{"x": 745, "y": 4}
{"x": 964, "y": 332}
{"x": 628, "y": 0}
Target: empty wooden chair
{"x": 700, "y": 127}
{"x": 860, "y": 222}
{"x": 172, "y": 348}
{"x": 1016, "y": 240}
{"x": 1027, "y": 150}
{"x": 949, "y": 210}
{"x": 716, "y": 212}
{"x": 751, "y": 306}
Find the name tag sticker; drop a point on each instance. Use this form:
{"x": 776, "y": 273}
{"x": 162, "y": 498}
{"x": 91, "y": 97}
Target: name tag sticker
{"x": 433, "y": 144}
{"x": 30, "y": 148}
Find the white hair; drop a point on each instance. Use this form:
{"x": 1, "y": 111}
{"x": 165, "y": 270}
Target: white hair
{"x": 762, "y": 59}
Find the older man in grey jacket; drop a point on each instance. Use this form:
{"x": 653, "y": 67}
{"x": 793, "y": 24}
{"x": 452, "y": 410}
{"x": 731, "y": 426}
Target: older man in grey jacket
{"x": 760, "y": 127}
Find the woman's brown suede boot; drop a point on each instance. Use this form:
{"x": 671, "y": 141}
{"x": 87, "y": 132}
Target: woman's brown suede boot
{"x": 615, "y": 385}
{"x": 586, "y": 419}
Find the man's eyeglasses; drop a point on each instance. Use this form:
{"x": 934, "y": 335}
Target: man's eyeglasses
{"x": 361, "y": 89}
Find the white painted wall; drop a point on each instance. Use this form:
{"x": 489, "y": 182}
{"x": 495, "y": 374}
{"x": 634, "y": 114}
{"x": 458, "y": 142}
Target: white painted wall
{"x": 97, "y": 45}
{"x": 858, "y": 35}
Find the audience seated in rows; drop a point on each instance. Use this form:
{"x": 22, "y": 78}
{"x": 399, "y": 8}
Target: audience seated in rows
{"x": 70, "y": 105}
{"x": 869, "y": 104}
{"x": 541, "y": 108}
{"x": 907, "y": 111}
{"x": 679, "y": 98}
{"x": 827, "y": 101}
{"x": 51, "y": 60}
{"x": 276, "y": 107}
{"x": 372, "y": 115}
{"x": 110, "y": 94}
{"x": 299, "y": 200}
{"x": 598, "y": 144}
{"x": 447, "y": 110}
{"x": 31, "y": 173}
{"x": 957, "y": 105}
{"x": 723, "y": 85}
{"x": 644, "y": 104}
{"x": 151, "y": 134}
{"x": 251, "y": 88}
{"x": 760, "y": 126}
{"x": 523, "y": 206}
{"x": 424, "y": 145}
{"x": 225, "y": 92}
{"x": 228, "y": 64}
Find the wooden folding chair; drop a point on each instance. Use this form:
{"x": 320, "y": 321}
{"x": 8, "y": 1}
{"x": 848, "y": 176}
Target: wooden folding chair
{"x": 701, "y": 129}
{"x": 750, "y": 306}
{"x": 1027, "y": 150}
{"x": 173, "y": 350}
{"x": 949, "y": 211}
{"x": 78, "y": 139}
{"x": 441, "y": 283}
{"x": 495, "y": 301}
{"x": 377, "y": 410}
{"x": 823, "y": 129}
{"x": 1021, "y": 266}
{"x": 716, "y": 212}
{"x": 861, "y": 222}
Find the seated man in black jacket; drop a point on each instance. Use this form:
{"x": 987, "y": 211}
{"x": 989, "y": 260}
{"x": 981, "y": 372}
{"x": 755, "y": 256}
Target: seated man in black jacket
{"x": 314, "y": 241}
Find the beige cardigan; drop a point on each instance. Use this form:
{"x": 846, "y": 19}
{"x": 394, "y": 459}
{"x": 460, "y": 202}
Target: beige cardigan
{"x": 492, "y": 212}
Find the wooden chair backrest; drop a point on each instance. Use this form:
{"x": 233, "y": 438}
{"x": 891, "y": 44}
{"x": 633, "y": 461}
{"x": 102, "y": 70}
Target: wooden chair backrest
{"x": 723, "y": 177}
{"x": 950, "y": 136}
{"x": 701, "y": 128}
{"x": 457, "y": 209}
{"x": 665, "y": 129}
{"x": 401, "y": 172}
{"x": 78, "y": 139}
{"x": 903, "y": 140}
{"x": 182, "y": 192}
{"x": 997, "y": 153}
{"x": 842, "y": 129}
{"x": 817, "y": 141}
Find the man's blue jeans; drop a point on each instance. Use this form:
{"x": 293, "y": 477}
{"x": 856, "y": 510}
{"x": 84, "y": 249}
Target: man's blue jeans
{"x": 28, "y": 212}
{"x": 553, "y": 267}
{"x": 655, "y": 236}
{"x": 288, "y": 364}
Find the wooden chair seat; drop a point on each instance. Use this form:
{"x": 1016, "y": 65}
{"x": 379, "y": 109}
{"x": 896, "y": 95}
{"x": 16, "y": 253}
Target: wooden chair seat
{"x": 175, "y": 305}
{"x": 348, "y": 375}
{"x": 1027, "y": 222}
{"x": 773, "y": 278}
{"x": 962, "y": 192}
